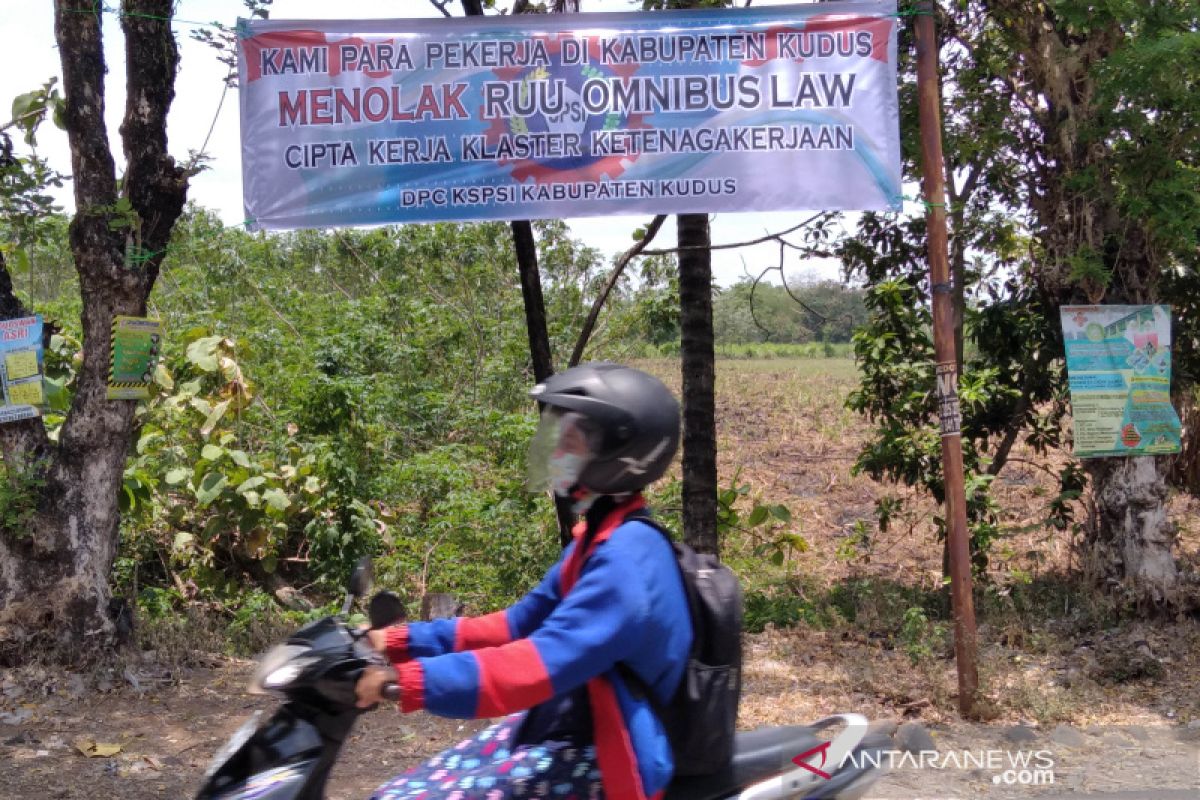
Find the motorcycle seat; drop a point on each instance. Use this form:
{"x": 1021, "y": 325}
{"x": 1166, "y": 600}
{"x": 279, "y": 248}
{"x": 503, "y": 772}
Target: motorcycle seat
{"x": 757, "y": 755}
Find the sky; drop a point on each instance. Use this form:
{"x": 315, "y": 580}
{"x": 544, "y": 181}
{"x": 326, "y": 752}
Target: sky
{"x": 30, "y": 57}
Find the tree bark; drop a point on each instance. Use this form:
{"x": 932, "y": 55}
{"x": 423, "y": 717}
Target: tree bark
{"x": 1131, "y": 542}
{"x": 54, "y": 592}
{"x": 699, "y": 379}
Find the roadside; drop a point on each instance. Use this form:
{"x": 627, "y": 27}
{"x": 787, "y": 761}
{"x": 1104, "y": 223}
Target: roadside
{"x": 167, "y": 726}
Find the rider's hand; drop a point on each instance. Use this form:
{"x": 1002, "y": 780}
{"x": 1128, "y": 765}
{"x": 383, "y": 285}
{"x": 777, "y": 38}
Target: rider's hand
{"x": 369, "y": 688}
{"x": 378, "y": 639}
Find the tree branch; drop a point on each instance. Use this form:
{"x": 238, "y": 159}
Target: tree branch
{"x": 754, "y": 316}
{"x": 622, "y": 262}
{"x": 769, "y": 237}
{"x": 98, "y": 250}
{"x": 156, "y": 187}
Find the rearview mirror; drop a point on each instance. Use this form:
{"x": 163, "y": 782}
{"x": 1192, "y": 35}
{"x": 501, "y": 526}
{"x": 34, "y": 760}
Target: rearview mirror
{"x": 360, "y": 579}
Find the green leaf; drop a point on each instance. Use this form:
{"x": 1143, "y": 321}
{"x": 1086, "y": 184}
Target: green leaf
{"x": 203, "y": 353}
{"x": 777, "y": 558}
{"x": 781, "y": 513}
{"x": 177, "y": 476}
{"x": 162, "y": 376}
{"x": 210, "y": 487}
{"x": 182, "y": 540}
{"x": 277, "y": 499}
{"x": 57, "y": 396}
{"x": 250, "y": 483}
{"x": 240, "y": 458}
{"x": 211, "y": 452}
{"x": 270, "y": 564}
{"x": 758, "y": 516}
{"x": 214, "y": 417}
{"x": 20, "y": 259}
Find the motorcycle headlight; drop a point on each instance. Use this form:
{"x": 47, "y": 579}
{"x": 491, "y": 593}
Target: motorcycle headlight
{"x": 280, "y": 666}
{"x": 282, "y": 676}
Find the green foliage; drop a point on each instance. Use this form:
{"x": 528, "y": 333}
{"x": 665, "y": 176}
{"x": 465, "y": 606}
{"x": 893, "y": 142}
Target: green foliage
{"x": 782, "y": 607}
{"x": 19, "y": 493}
{"x": 921, "y": 639}
{"x": 809, "y": 311}
{"x": 771, "y": 527}
{"x": 326, "y": 396}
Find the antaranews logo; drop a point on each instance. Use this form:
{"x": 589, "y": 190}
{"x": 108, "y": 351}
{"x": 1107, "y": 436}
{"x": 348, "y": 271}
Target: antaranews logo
{"x": 1021, "y": 768}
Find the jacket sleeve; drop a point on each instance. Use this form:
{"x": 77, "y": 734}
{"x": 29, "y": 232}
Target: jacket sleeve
{"x": 441, "y": 636}
{"x": 587, "y": 632}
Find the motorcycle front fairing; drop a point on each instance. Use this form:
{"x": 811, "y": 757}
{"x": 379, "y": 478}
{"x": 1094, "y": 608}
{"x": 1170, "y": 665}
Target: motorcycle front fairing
{"x": 289, "y": 756}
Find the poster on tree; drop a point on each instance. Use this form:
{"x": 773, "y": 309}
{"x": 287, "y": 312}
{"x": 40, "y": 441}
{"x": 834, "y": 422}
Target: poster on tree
{"x": 21, "y": 368}
{"x": 135, "y": 349}
{"x": 351, "y": 122}
{"x": 1119, "y": 372}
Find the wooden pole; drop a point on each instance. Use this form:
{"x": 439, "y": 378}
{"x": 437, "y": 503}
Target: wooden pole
{"x": 944, "y": 346}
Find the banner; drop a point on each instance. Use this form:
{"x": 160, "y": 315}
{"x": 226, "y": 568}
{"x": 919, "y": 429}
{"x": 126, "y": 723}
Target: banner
{"x": 136, "y": 343}
{"x": 565, "y": 115}
{"x": 21, "y": 366}
{"x": 1119, "y": 370}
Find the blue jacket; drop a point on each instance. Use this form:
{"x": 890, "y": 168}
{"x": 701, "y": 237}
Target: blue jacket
{"x": 625, "y": 603}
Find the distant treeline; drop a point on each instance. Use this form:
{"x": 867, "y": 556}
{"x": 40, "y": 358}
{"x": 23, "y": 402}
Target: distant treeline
{"x": 806, "y": 311}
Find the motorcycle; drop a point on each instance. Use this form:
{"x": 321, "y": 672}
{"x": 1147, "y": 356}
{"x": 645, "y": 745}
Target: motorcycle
{"x": 289, "y": 755}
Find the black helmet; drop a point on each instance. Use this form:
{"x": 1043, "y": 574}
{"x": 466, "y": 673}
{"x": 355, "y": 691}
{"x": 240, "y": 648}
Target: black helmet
{"x": 634, "y": 417}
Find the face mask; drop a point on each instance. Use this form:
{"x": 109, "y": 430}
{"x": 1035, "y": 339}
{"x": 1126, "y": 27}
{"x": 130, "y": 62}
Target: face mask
{"x": 565, "y": 469}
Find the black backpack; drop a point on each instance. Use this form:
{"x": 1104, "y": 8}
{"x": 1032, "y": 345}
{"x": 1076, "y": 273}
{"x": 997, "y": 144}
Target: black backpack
{"x": 701, "y": 717}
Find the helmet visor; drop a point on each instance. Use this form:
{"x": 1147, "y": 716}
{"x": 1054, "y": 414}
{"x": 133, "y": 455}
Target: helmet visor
{"x": 562, "y": 446}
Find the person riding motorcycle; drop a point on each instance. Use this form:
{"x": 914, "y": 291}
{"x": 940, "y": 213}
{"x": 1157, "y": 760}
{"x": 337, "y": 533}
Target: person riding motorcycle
{"x": 554, "y": 662}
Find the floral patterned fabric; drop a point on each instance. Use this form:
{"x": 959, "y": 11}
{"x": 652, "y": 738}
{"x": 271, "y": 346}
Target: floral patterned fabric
{"x": 490, "y": 767}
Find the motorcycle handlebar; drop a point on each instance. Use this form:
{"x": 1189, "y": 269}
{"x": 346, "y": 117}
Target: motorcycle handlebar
{"x": 391, "y": 691}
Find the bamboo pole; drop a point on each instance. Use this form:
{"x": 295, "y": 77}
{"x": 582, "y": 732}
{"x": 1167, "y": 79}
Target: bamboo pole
{"x": 929, "y": 106}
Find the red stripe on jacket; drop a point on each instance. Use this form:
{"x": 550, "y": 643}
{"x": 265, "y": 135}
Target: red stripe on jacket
{"x": 511, "y": 678}
{"x": 473, "y": 633}
{"x": 614, "y": 752}
{"x": 411, "y": 678}
{"x": 395, "y": 645}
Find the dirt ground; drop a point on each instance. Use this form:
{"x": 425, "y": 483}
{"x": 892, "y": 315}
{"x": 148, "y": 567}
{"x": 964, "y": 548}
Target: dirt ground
{"x": 167, "y": 730}
{"x": 1047, "y": 676}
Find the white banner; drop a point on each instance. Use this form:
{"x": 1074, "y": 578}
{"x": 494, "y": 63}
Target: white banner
{"x": 535, "y": 116}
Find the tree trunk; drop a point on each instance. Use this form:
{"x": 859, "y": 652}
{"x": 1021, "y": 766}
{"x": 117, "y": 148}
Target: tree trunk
{"x": 54, "y": 593}
{"x": 699, "y": 404}
{"x": 1131, "y": 539}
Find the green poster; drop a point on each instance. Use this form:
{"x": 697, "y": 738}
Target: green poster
{"x": 135, "y": 348}
{"x": 1119, "y": 371}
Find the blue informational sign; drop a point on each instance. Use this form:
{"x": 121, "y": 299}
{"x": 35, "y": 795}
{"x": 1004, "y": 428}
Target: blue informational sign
{"x": 563, "y": 115}
{"x": 1119, "y": 369}
{"x": 21, "y": 368}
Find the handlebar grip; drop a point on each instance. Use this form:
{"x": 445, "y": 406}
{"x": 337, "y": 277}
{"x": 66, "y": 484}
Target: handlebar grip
{"x": 391, "y": 691}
